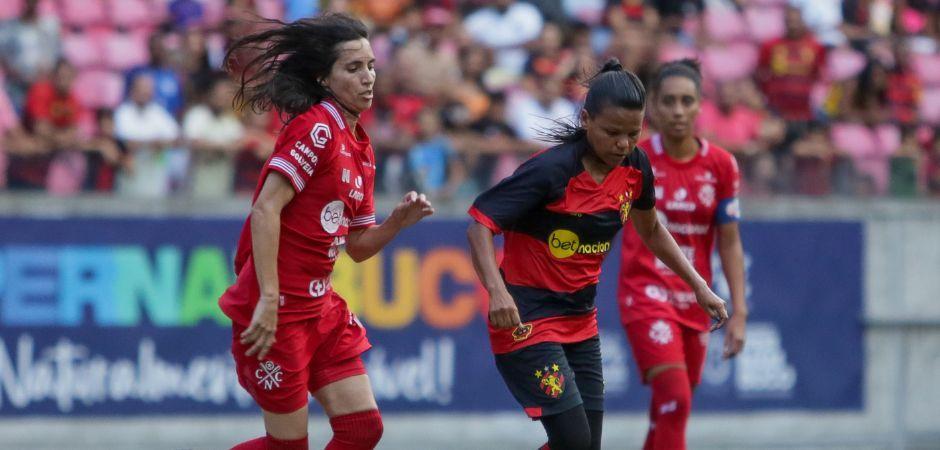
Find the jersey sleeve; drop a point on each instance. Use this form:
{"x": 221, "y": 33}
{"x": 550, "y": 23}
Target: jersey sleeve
{"x": 304, "y": 144}
{"x": 364, "y": 216}
{"x": 729, "y": 181}
{"x": 647, "y": 198}
{"x": 504, "y": 204}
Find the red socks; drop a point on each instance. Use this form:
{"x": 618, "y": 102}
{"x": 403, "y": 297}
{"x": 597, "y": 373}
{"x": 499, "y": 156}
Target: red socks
{"x": 356, "y": 431}
{"x": 271, "y": 443}
{"x": 669, "y": 412}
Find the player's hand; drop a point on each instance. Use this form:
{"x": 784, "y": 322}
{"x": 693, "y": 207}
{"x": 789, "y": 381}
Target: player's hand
{"x": 262, "y": 328}
{"x": 411, "y": 209}
{"x": 503, "y": 311}
{"x": 734, "y": 335}
{"x": 713, "y": 305}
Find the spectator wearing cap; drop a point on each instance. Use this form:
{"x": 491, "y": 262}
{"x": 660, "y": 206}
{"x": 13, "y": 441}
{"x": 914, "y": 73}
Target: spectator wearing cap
{"x": 506, "y": 27}
{"x": 148, "y": 131}
{"x": 213, "y": 134}
{"x": 29, "y": 49}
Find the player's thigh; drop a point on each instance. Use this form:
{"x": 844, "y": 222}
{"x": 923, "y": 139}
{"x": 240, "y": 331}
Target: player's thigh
{"x": 540, "y": 379}
{"x": 657, "y": 344}
{"x": 695, "y": 346}
{"x": 277, "y": 383}
{"x": 585, "y": 360}
{"x": 346, "y": 396}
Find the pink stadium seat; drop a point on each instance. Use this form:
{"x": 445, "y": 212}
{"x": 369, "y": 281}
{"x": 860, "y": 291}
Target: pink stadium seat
{"x": 869, "y": 148}
{"x": 844, "y": 63}
{"x": 729, "y": 62}
{"x": 99, "y": 88}
{"x": 82, "y": 50}
{"x": 213, "y": 12}
{"x": 125, "y": 50}
{"x": 10, "y": 9}
{"x": 724, "y": 24}
{"x": 930, "y": 106}
{"x": 674, "y": 51}
{"x": 82, "y": 13}
{"x": 927, "y": 68}
{"x": 270, "y": 9}
{"x": 764, "y": 23}
{"x": 131, "y": 13}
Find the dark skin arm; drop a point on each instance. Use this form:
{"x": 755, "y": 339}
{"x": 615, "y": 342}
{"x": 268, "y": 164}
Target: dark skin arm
{"x": 503, "y": 311}
{"x": 660, "y": 242}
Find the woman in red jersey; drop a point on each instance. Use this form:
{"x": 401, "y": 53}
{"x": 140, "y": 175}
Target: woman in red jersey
{"x": 291, "y": 333}
{"x": 697, "y": 198}
{"x": 559, "y": 212}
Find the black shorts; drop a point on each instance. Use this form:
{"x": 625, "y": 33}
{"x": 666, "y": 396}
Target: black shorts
{"x": 549, "y": 378}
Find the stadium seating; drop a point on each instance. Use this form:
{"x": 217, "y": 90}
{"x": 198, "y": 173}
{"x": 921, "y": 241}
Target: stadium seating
{"x": 729, "y": 62}
{"x": 764, "y": 22}
{"x": 83, "y": 13}
{"x": 81, "y": 50}
{"x": 725, "y": 24}
{"x": 927, "y": 68}
{"x": 131, "y": 14}
{"x": 843, "y": 63}
{"x": 125, "y": 50}
{"x": 930, "y": 106}
{"x": 99, "y": 88}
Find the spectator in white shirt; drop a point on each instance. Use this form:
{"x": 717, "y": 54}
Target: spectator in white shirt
{"x": 213, "y": 134}
{"x": 531, "y": 113}
{"x": 506, "y": 27}
{"x": 149, "y": 132}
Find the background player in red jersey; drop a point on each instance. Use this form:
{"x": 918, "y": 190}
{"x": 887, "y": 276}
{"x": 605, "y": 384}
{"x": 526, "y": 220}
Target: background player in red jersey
{"x": 559, "y": 212}
{"x": 291, "y": 333}
{"x": 697, "y": 193}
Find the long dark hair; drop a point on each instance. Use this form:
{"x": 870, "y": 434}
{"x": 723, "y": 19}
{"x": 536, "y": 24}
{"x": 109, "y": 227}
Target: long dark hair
{"x": 289, "y": 60}
{"x": 610, "y": 86}
{"x": 686, "y": 67}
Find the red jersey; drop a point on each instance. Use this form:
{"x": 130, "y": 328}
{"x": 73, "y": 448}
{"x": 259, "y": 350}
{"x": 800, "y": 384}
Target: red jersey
{"x": 789, "y": 69}
{"x": 693, "y": 197}
{"x": 332, "y": 169}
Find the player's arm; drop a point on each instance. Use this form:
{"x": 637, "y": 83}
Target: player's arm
{"x": 265, "y": 238}
{"x": 732, "y": 263}
{"x": 660, "y": 242}
{"x": 363, "y": 243}
{"x": 503, "y": 310}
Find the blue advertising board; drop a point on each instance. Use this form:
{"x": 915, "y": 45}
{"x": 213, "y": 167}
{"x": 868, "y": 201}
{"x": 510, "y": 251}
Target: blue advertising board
{"x": 119, "y": 316}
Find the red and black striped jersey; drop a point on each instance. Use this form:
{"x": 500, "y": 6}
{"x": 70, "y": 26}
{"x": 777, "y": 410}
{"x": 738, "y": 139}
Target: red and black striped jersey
{"x": 558, "y": 224}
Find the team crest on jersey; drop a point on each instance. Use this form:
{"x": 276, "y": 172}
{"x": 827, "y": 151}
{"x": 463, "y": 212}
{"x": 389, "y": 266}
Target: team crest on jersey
{"x": 320, "y": 134}
{"x": 551, "y": 380}
{"x": 625, "y": 202}
{"x": 706, "y": 195}
{"x": 522, "y": 332}
{"x": 269, "y": 375}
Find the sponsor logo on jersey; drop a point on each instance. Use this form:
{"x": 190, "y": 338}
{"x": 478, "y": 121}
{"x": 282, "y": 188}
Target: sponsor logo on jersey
{"x": 344, "y": 152}
{"x": 333, "y": 252}
{"x": 331, "y": 217}
{"x": 706, "y": 195}
{"x": 269, "y": 375}
{"x": 356, "y": 195}
{"x": 661, "y": 332}
{"x": 564, "y": 243}
{"x": 551, "y": 380}
{"x": 346, "y": 176}
{"x": 320, "y": 134}
{"x": 302, "y": 162}
{"x": 679, "y": 203}
{"x": 706, "y": 177}
{"x": 358, "y": 182}
{"x": 318, "y": 287}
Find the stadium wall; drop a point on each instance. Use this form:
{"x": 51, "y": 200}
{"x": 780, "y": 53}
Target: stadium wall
{"x": 844, "y": 343}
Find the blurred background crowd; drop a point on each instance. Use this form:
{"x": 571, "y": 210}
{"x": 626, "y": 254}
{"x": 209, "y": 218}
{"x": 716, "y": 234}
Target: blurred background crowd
{"x": 128, "y": 97}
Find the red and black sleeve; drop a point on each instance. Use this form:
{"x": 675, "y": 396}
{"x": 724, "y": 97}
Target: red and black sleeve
{"x": 516, "y": 195}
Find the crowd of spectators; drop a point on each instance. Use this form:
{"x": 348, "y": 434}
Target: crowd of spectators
{"x": 814, "y": 97}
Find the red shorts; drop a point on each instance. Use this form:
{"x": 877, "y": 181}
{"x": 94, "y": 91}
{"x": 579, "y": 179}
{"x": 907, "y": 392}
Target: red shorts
{"x": 307, "y": 355}
{"x": 661, "y": 341}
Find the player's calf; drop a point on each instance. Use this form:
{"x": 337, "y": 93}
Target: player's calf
{"x": 672, "y": 404}
{"x": 356, "y": 431}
